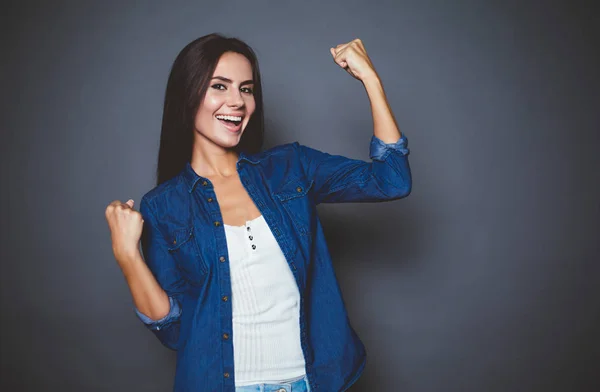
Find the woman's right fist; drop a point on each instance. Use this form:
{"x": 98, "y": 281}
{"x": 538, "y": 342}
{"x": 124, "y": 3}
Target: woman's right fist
{"x": 125, "y": 225}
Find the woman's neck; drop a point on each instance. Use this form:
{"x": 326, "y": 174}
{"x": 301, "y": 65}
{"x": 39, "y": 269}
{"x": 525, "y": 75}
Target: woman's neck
{"x": 213, "y": 161}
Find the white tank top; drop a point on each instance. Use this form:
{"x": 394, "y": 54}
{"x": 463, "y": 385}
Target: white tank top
{"x": 266, "y": 307}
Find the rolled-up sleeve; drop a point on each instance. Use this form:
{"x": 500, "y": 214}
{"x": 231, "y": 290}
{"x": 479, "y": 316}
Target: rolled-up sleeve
{"x": 162, "y": 265}
{"x": 172, "y": 316}
{"x": 338, "y": 179}
{"x": 379, "y": 150}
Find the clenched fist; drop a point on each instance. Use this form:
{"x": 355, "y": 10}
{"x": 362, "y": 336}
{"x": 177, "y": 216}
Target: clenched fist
{"x": 125, "y": 225}
{"x": 353, "y": 57}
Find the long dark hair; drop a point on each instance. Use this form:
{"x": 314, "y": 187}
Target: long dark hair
{"x": 188, "y": 81}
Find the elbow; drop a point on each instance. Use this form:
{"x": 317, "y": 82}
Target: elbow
{"x": 393, "y": 190}
{"x": 165, "y": 328}
{"x": 402, "y": 190}
{"x": 396, "y": 180}
{"x": 168, "y": 336}
{"x": 170, "y": 345}
{"x": 407, "y": 187}
{"x": 406, "y": 191}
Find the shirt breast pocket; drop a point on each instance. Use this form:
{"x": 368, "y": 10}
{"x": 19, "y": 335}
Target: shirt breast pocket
{"x": 295, "y": 198}
{"x": 183, "y": 246}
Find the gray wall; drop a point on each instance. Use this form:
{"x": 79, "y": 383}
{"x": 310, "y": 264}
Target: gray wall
{"x": 484, "y": 279}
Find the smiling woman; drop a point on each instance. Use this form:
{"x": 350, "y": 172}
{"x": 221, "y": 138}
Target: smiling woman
{"x": 209, "y": 73}
{"x": 236, "y": 274}
{"x": 229, "y": 99}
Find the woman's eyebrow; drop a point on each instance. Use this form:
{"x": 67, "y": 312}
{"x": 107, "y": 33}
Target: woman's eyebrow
{"x": 230, "y": 81}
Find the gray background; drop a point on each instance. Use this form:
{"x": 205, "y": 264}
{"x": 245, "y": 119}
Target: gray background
{"x": 484, "y": 279}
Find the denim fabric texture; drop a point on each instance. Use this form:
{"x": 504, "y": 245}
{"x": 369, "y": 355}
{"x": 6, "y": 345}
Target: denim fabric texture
{"x": 299, "y": 385}
{"x": 184, "y": 245}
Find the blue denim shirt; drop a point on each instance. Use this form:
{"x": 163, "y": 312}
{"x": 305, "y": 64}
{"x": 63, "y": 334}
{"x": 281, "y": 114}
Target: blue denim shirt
{"x": 184, "y": 245}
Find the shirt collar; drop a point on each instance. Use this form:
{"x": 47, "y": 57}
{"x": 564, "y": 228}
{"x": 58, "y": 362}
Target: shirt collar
{"x": 192, "y": 178}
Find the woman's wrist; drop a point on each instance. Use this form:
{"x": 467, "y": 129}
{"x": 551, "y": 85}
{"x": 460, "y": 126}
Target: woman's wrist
{"x": 371, "y": 81}
{"x": 128, "y": 259}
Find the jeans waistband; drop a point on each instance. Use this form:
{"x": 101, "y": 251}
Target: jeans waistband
{"x": 299, "y": 384}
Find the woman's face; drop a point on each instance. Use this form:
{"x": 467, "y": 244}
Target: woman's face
{"x": 229, "y": 93}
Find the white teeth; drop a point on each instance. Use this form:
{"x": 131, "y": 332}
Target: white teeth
{"x": 231, "y": 118}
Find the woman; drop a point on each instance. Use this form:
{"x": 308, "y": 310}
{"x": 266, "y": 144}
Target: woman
{"x": 235, "y": 274}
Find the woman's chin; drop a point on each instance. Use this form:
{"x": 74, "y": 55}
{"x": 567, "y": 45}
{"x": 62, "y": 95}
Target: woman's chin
{"x": 224, "y": 139}
{"x": 229, "y": 141}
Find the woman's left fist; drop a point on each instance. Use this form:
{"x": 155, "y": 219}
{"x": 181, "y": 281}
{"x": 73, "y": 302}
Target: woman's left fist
{"x": 353, "y": 57}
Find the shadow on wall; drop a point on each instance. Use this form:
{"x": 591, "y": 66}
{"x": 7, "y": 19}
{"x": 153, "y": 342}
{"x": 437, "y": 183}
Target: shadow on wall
{"x": 363, "y": 246}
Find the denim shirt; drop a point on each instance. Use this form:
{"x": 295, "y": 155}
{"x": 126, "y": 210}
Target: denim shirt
{"x": 184, "y": 245}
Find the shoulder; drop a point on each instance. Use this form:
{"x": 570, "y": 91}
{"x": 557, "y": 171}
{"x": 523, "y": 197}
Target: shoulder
{"x": 171, "y": 189}
{"x": 165, "y": 187}
{"x": 281, "y": 152}
{"x": 278, "y": 151}
{"x": 277, "y": 165}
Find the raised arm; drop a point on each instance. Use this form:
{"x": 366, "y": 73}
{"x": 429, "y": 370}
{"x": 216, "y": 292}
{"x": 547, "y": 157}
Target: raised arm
{"x": 337, "y": 179}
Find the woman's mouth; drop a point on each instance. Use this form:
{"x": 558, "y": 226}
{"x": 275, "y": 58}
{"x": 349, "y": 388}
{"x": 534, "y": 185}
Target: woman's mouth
{"x": 231, "y": 125}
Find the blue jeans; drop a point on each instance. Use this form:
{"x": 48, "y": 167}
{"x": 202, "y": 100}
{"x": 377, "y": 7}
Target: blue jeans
{"x": 297, "y": 385}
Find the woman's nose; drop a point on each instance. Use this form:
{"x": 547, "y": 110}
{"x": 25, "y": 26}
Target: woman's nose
{"x": 235, "y": 98}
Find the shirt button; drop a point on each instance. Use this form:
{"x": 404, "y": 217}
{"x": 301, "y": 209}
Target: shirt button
{"x": 253, "y": 246}
{"x": 225, "y": 336}
{"x": 204, "y": 183}
{"x": 250, "y": 237}
{"x": 217, "y": 223}
{"x": 299, "y": 189}
{"x": 222, "y": 259}
{"x": 225, "y": 298}
{"x": 226, "y": 375}
{"x": 210, "y": 199}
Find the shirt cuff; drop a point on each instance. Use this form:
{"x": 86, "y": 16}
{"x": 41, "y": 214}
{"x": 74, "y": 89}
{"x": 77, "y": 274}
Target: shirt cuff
{"x": 380, "y": 150}
{"x": 173, "y": 315}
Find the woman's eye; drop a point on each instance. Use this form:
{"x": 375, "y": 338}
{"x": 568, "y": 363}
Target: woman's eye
{"x": 219, "y": 85}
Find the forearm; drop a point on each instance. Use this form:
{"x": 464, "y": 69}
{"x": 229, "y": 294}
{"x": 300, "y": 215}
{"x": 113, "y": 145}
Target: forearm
{"x": 384, "y": 123}
{"x": 148, "y": 296}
